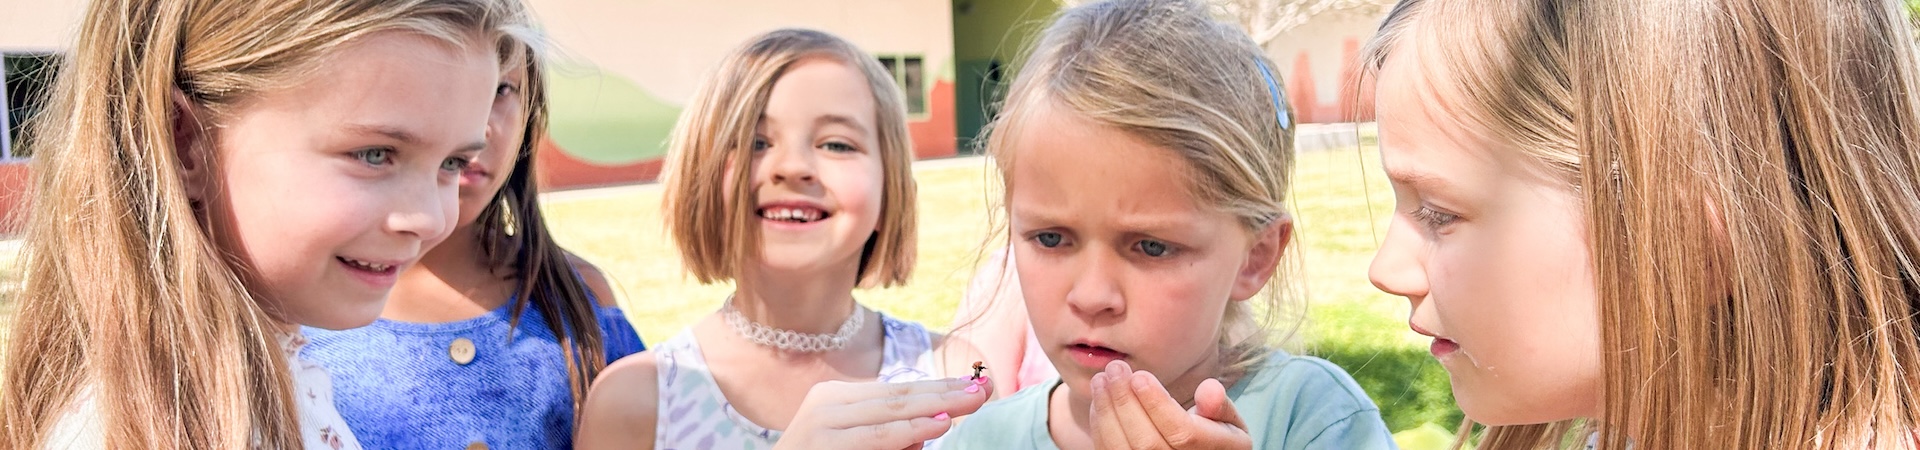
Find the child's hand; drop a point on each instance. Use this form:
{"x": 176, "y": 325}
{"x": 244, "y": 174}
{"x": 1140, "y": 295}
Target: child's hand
{"x": 880, "y": 415}
{"x": 1132, "y": 410}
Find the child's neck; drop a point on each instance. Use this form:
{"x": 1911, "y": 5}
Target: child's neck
{"x": 817, "y": 303}
{"x": 451, "y": 282}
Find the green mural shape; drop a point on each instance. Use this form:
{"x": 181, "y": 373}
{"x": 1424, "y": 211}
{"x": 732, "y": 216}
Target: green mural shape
{"x": 603, "y": 118}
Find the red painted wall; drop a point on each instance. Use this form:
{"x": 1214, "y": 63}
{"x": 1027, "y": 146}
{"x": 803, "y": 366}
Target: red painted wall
{"x": 13, "y": 198}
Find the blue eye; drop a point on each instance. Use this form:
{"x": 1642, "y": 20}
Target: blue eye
{"x": 839, "y": 147}
{"x": 1153, "y": 248}
{"x": 761, "y": 144}
{"x": 1048, "y": 239}
{"x": 374, "y": 156}
{"x": 1432, "y": 219}
{"x": 455, "y": 164}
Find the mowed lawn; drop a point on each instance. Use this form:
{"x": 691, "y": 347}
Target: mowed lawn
{"x": 1340, "y": 201}
{"x": 1340, "y": 204}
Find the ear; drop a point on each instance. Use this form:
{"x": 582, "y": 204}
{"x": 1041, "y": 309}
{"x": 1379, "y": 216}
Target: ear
{"x": 191, "y": 146}
{"x": 1263, "y": 257}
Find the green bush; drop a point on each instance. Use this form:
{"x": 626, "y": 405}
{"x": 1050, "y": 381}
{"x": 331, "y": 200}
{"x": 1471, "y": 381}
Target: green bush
{"x": 1409, "y": 386}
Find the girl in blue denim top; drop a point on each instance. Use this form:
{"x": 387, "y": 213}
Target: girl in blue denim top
{"x": 491, "y": 341}
{"x": 1146, "y": 150}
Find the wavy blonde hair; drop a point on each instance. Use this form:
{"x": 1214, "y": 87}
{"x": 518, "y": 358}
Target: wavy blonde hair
{"x": 717, "y": 130}
{"x": 126, "y": 297}
{"x": 1751, "y": 177}
{"x": 1168, "y": 73}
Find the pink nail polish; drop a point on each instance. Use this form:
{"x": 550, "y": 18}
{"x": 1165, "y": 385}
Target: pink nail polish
{"x": 973, "y": 389}
{"x": 982, "y": 381}
{"x": 942, "y": 417}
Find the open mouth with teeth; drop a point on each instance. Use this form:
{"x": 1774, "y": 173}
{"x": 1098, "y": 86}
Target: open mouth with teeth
{"x": 793, "y": 214}
{"x": 364, "y": 266}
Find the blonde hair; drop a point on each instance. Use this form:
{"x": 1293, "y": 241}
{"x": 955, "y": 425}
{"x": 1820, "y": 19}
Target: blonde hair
{"x": 1751, "y": 177}
{"x": 1166, "y": 72}
{"x": 717, "y": 130}
{"x": 125, "y": 295}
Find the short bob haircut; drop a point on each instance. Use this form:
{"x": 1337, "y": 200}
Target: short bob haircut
{"x": 716, "y": 239}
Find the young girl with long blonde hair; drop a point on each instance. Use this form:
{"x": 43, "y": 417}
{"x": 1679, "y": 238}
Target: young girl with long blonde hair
{"x": 789, "y": 174}
{"x": 214, "y": 174}
{"x": 493, "y": 338}
{"x": 1145, "y": 149}
{"x": 1672, "y": 225}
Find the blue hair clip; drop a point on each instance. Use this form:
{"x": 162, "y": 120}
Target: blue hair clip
{"x": 1279, "y": 98}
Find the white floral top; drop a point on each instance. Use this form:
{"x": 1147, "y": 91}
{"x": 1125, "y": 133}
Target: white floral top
{"x": 320, "y": 425}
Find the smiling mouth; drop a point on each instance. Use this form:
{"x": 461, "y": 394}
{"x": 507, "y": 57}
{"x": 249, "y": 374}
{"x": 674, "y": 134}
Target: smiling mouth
{"x": 793, "y": 214}
{"x": 366, "y": 266}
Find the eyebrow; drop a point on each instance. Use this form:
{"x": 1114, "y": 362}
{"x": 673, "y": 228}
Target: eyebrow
{"x": 848, "y": 121}
{"x": 409, "y": 138}
{"x": 1418, "y": 180}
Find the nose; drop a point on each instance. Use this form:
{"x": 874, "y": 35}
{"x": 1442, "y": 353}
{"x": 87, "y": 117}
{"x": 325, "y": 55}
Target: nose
{"x": 424, "y": 209}
{"x": 1096, "y": 289}
{"x": 790, "y": 163}
{"x": 1399, "y": 266}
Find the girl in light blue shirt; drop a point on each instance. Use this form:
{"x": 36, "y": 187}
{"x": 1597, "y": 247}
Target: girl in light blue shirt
{"x": 1146, "y": 150}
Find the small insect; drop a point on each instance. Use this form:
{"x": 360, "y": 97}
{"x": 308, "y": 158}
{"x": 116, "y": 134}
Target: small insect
{"x": 978, "y": 366}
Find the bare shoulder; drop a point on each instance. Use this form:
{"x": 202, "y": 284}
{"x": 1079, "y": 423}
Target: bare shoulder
{"x": 622, "y": 408}
{"x": 596, "y": 281}
{"x": 956, "y": 355}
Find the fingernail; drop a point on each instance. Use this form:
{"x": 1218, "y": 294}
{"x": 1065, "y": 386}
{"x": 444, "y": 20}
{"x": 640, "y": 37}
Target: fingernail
{"x": 982, "y": 381}
{"x": 1140, "y": 383}
{"x": 942, "y": 417}
{"x": 1098, "y": 384}
{"x": 973, "y": 389}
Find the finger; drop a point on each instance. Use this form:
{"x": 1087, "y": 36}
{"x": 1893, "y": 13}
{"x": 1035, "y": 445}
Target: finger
{"x": 894, "y": 434}
{"x": 891, "y": 408}
{"x": 1210, "y": 402}
{"x": 837, "y": 392}
{"x": 1129, "y": 412}
{"x": 1107, "y": 433}
{"x": 1177, "y": 427}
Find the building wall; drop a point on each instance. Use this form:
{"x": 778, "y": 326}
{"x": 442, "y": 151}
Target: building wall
{"x": 1319, "y": 62}
{"x": 625, "y": 67}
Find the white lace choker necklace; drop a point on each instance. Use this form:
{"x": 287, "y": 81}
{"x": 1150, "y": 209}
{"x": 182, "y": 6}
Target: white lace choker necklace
{"x": 793, "y": 341}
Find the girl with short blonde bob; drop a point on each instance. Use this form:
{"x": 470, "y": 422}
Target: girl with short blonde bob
{"x": 1676, "y": 224}
{"x": 213, "y": 174}
{"x": 789, "y": 175}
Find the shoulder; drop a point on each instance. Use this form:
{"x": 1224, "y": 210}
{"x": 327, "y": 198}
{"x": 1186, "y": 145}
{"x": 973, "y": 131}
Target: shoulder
{"x": 595, "y": 280}
{"x": 1313, "y": 404}
{"x": 622, "y": 407}
{"x": 1310, "y": 377}
{"x": 79, "y": 428}
{"x": 1011, "y": 422}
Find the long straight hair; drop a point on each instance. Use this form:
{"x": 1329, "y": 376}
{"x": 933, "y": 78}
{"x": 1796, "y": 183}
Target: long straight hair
{"x": 128, "y": 305}
{"x": 517, "y": 245}
{"x": 1750, "y": 172}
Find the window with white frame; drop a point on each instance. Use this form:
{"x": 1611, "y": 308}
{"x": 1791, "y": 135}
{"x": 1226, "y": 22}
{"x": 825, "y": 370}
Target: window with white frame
{"x": 909, "y": 72}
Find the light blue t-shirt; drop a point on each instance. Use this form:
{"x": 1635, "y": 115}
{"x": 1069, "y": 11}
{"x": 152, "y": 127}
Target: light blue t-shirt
{"x": 1289, "y": 402}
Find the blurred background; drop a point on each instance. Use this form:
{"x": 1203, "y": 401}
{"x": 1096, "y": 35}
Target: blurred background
{"x": 622, "y": 69}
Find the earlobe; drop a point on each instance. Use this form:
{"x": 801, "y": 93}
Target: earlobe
{"x": 1263, "y": 258}
{"x": 190, "y": 145}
